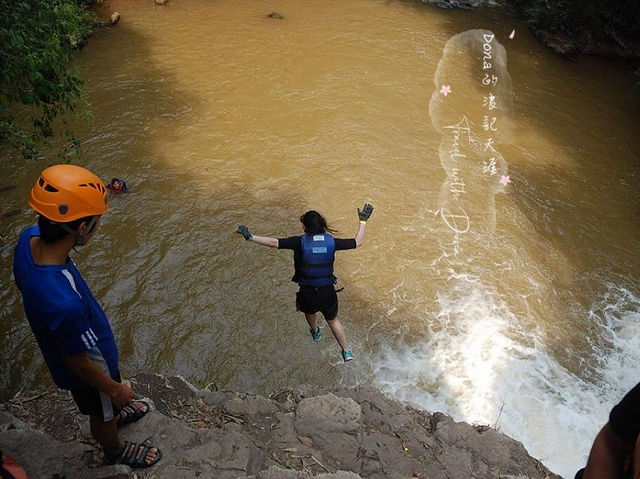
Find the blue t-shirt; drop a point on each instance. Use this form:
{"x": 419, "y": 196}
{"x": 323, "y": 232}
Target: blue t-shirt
{"x": 63, "y": 314}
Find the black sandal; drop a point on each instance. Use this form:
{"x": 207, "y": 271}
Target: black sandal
{"x": 132, "y": 412}
{"x": 134, "y": 455}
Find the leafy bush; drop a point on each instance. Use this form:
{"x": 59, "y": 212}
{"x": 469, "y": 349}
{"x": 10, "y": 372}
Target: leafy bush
{"x": 37, "y": 41}
{"x": 615, "y": 22}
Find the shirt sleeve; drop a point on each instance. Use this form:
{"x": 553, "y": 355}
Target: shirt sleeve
{"x": 292, "y": 242}
{"x": 73, "y": 331}
{"x": 345, "y": 243}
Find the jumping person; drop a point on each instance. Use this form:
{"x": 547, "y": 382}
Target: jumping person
{"x": 313, "y": 256}
{"x": 69, "y": 325}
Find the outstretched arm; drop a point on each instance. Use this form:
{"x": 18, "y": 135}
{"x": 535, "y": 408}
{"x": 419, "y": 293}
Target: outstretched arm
{"x": 363, "y": 215}
{"x": 360, "y": 233}
{"x": 263, "y": 240}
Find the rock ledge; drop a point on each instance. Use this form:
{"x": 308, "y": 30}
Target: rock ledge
{"x": 295, "y": 433}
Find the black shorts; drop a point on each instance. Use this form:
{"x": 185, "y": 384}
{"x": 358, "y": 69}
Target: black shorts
{"x": 93, "y": 402}
{"x": 310, "y": 300}
{"x": 625, "y": 416}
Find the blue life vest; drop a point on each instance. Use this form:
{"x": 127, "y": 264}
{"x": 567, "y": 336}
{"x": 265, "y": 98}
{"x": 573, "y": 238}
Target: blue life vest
{"x": 314, "y": 267}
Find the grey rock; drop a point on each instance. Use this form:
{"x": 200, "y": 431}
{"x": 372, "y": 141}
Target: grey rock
{"x": 9, "y": 421}
{"x": 115, "y": 18}
{"x": 179, "y": 382}
{"x": 339, "y": 475}
{"x": 275, "y": 15}
{"x": 275, "y": 472}
{"x": 251, "y": 406}
{"x": 457, "y": 462}
{"x": 213, "y": 397}
{"x": 451, "y": 432}
{"x": 205, "y": 452}
{"x": 462, "y": 4}
{"x": 390, "y": 454}
{"x": 233, "y": 427}
{"x": 117, "y": 471}
{"x": 284, "y": 435}
{"x": 85, "y": 427}
{"x": 342, "y": 448}
{"x": 439, "y": 419}
{"x": 43, "y": 456}
{"x": 327, "y": 413}
{"x": 357, "y": 430}
{"x": 380, "y": 412}
{"x": 161, "y": 2}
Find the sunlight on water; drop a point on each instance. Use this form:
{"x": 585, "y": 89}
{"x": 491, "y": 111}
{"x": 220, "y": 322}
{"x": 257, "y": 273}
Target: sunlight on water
{"x": 480, "y": 366}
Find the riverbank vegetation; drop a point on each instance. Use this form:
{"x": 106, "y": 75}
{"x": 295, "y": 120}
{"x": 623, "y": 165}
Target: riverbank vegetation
{"x": 586, "y": 26}
{"x": 38, "y": 39}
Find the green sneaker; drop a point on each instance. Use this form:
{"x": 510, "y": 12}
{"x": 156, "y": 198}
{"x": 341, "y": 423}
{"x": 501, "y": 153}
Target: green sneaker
{"x": 347, "y": 355}
{"x": 317, "y": 336}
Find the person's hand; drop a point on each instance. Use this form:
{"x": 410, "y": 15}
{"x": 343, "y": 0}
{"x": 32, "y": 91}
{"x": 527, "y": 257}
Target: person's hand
{"x": 123, "y": 395}
{"x": 244, "y": 231}
{"x": 365, "y": 212}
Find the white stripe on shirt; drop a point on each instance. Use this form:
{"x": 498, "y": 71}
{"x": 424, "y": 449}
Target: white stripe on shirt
{"x": 93, "y": 334}
{"x": 71, "y": 281}
{"x": 86, "y": 343}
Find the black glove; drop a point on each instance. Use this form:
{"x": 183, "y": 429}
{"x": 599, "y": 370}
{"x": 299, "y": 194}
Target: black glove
{"x": 244, "y": 231}
{"x": 365, "y": 212}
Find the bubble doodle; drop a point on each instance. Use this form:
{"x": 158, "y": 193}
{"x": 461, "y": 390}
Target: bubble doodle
{"x": 473, "y": 124}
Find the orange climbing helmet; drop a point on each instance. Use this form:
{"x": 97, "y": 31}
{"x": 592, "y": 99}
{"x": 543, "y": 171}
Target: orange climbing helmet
{"x": 66, "y": 193}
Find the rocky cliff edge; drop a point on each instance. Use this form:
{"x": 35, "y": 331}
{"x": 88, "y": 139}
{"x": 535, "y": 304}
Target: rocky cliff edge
{"x": 295, "y": 433}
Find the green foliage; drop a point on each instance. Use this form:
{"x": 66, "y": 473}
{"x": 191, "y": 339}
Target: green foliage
{"x": 37, "y": 41}
{"x": 616, "y": 22}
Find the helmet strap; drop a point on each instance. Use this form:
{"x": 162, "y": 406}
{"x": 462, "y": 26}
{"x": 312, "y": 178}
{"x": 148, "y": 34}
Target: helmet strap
{"x": 81, "y": 238}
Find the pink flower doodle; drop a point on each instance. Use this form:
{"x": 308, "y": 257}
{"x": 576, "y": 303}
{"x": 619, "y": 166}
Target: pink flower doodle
{"x": 445, "y": 90}
{"x": 504, "y": 180}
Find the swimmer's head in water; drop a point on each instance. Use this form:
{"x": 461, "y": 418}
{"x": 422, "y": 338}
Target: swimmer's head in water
{"x": 116, "y": 184}
{"x": 314, "y": 223}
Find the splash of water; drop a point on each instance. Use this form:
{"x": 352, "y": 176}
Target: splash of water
{"x": 478, "y": 364}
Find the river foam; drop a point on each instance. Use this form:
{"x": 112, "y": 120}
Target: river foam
{"x": 478, "y": 364}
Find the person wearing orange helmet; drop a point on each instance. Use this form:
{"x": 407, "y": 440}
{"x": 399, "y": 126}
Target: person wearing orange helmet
{"x": 71, "y": 328}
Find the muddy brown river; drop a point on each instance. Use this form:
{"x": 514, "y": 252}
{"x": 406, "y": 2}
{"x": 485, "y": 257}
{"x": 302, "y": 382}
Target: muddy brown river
{"x": 499, "y": 284}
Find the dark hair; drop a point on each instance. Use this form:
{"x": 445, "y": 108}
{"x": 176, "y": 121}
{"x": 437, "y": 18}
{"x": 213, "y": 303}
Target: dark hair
{"x": 52, "y": 232}
{"x": 314, "y": 223}
{"x": 114, "y": 180}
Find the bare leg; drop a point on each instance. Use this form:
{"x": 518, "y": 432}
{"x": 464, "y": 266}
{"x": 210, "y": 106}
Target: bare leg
{"x": 608, "y": 455}
{"x": 106, "y": 433}
{"x": 312, "y": 320}
{"x": 338, "y": 333}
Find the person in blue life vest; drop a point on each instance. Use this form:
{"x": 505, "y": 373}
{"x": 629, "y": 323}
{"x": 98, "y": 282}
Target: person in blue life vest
{"x": 313, "y": 257}
{"x": 69, "y": 325}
